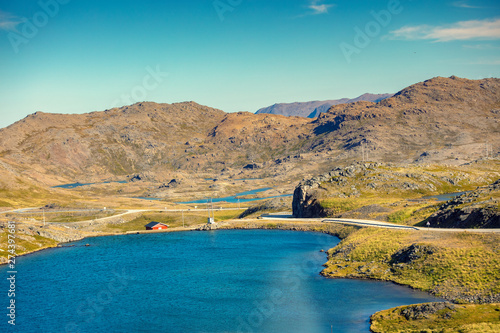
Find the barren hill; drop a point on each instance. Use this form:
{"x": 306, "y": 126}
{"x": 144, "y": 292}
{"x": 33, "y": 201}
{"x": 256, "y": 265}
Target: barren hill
{"x": 441, "y": 119}
{"x": 119, "y": 141}
{"x": 448, "y": 120}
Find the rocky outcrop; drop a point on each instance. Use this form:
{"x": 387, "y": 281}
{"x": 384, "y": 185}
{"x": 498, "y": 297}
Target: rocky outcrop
{"x": 421, "y": 311}
{"x": 252, "y": 166}
{"x": 476, "y": 209}
{"x": 275, "y": 205}
{"x": 488, "y": 217}
{"x": 412, "y": 253}
{"x": 305, "y": 202}
{"x": 307, "y": 195}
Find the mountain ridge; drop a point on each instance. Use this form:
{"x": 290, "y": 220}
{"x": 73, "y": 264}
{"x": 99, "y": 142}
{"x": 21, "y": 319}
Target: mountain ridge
{"x": 312, "y": 109}
{"x": 443, "y": 120}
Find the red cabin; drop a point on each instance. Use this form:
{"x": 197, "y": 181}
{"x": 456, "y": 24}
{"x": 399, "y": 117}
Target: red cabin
{"x": 156, "y": 226}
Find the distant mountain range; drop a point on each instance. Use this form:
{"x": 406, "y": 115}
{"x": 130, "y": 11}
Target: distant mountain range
{"x": 448, "y": 120}
{"x": 314, "y": 108}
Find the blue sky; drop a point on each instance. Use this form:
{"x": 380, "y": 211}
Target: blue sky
{"x": 75, "y": 56}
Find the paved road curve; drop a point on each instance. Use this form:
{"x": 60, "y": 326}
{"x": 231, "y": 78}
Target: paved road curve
{"x": 287, "y": 216}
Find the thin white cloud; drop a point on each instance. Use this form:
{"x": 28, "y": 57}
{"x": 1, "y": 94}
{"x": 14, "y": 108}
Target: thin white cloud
{"x": 465, "y": 30}
{"x": 464, "y": 4}
{"x": 319, "y": 8}
{"x": 491, "y": 62}
{"x": 8, "y": 21}
{"x": 481, "y": 47}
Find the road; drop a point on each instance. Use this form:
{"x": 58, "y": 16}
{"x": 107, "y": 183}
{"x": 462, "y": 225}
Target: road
{"x": 283, "y": 216}
{"x": 287, "y": 216}
{"x": 126, "y": 212}
{"x": 20, "y": 210}
{"x": 133, "y": 211}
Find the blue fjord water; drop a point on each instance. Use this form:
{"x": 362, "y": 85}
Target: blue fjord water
{"x": 222, "y": 281}
{"x": 78, "y": 184}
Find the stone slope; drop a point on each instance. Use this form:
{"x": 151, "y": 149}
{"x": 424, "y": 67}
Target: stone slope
{"x": 476, "y": 209}
{"x": 119, "y": 141}
{"x": 436, "y": 120}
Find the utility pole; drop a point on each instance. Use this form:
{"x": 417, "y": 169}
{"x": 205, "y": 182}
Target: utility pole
{"x": 210, "y": 220}
{"x": 363, "y": 150}
{"x": 213, "y": 213}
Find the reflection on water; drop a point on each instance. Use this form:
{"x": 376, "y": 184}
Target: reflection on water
{"x": 444, "y": 197}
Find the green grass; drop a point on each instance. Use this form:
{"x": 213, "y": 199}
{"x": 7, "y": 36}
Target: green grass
{"x": 24, "y": 243}
{"x": 484, "y": 318}
{"x": 5, "y": 204}
{"x": 337, "y": 206}
{"x": 226, "y": 214}
{"x": 28, "y": 195}
{"x": 399, "y": 216}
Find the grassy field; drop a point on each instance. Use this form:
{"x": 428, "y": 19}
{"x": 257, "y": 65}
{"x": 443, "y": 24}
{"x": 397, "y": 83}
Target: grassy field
{"x": 173, "y": 219}
{"x": 457, "y": 266}
{"x": 66, "y": 217}
{"x": 23, "y": 243}
{"x": 471, "y": 318}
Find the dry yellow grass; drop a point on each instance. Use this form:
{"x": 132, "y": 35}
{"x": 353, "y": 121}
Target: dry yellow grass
{"x": 484, "y": 318}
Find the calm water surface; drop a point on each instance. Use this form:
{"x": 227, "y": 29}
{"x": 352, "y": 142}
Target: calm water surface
{"x": 223, "y": 281}
{"x": 444, "y": 197}
{"x": 231, "y": 199}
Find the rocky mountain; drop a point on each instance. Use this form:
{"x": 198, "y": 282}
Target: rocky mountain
{"x": 314, "y": 108}
{"x": 441, "y": 119}
{"x": 449, "y": 120}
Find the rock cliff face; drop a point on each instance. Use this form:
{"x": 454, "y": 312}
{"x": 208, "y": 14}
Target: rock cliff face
{"x": 476, "y": 209}
{"x": 305, "y": 202}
